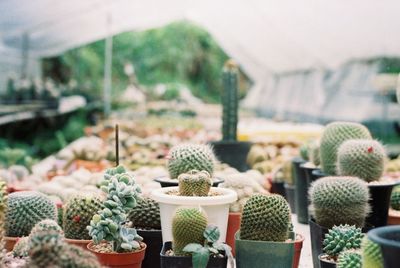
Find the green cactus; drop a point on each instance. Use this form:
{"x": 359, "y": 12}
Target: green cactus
{"x": 3, "y": 211}
{"x": 371, "y": 254}
{"x": 341, "y": 238}
{"x": 146, "y": 214}
{"x": 25, "y": 209}
{"x": 333, "y": 136}
{"x": 188, "y": 226}
{"x": 78, "y": 212}
{"x": 364, "y": 159}
{"x": 256, "y": 154}
{"x": 339, "y": 200}
{"x": 21, "y": 247}
{"x": 395, "y": 198}
{"x": 230, "y": 101}
{"x": 186, "y": 157}
{"x": 46, "y": 225}
{"x": 349, "y": 259}
{"x": 303, "y": 150}
{"x": 265, "y": 218}
{"x": 194, "y": 183}
{"x": 313, "y": 153}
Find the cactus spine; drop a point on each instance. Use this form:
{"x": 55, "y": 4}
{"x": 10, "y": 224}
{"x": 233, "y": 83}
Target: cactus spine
{"x": 230, "y": 102}
{"x": 194, "y": 183}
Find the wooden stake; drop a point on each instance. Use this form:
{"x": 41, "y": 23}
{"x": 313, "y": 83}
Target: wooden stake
{"x": 116, "y": 145}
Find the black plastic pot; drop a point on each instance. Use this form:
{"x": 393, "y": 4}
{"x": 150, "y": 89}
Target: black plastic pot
{"x": 317, "y": 174}
{"x": 302, "y": 195}
{"x": 388, "y": 238}
{"x": 379, "y": 202}
{"x": 233, "y": 153}
{"x": 324, "y": 263}
{"x": 278, "y": 187}
{"x": 166, "y": 182}
{"x": 289, "y": 193}
{"x": 153, "y": 240}
{"x": 309, "y": 170}
{"x": 186, "y": 261}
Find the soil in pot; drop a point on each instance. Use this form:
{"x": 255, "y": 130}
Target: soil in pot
{"x": 233, "y": 153}
{"x": 233, "y": 226}
{"x": 9, "y": 242}
{"x": 80, "y": 243}
{"x": 388, "y": 237}
{"x": 186, "y": 261}
{"x": 167, "y": 182}
{"x": 289, "y": 193}
{"x": 119, "y": 260}
{"x": 153, "y": 240}
{"x": 394, "y": 217}
{"x": 278, "y": 187}
{"x": 324, "y": 262}
{"x": 379, "y": 202}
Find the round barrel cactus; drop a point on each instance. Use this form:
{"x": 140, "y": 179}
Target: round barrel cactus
{"x": 195, "y": 183}
{"x": 146, "y": 214}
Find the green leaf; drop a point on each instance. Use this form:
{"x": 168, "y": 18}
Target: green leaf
{"x": 211, "y": 233}
{"x": 192, "y": 247}
{"x": 200, "y": 258}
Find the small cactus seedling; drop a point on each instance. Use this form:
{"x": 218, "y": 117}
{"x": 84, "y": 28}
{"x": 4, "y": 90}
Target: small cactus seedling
{"x": 194, "y": 183}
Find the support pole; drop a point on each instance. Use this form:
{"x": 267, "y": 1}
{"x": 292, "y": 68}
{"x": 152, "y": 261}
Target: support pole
{"x": 107, "y": 68}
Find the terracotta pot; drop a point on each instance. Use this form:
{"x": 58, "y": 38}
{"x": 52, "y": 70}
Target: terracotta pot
{"x": 120, "y": 260}
{"x": 233, "y": 226}
{"x": 394, "y": 217}
{"x": 80, "y": 243}
{"x": 9, "y": 242}
{"x": 298, "y": 245}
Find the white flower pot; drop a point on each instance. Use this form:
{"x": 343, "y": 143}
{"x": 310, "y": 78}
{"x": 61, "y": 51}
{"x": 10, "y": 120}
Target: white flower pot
{"x": 216, "y": 208}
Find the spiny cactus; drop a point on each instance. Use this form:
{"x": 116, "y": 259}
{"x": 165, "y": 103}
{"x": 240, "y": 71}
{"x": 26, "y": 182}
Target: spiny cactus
{"x": 146, "y": 214}
{"x": 78, "y": 212}
{"x": 188, "y": 225}
{"x": 194, "y": 183}
{"x": 303, "y": 150}
{"x": 313, "y": 153}
{"x": 349, "y": 259}
{"x": 3, "y": 209}
{"x": 230, "y": 101}
{"x": 21, "y": 247}
{"x": 341, "y": 238}
{"x": 333, "y": 136}
{"x": 25, "y": 209}
{"x": 371, "y": 254}
{"x": 395, "y": 198}
{"x": 364, "y": 159}
{"x": 265, "y": 218}
{"x": 185, "y": 157}
{"x": 339, "y": 200}
{"x": 46, "y": 225}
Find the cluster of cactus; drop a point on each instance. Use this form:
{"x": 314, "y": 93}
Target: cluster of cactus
{"x": 265, "y": 218}
{"x": 78, "y": 212}
{"x": 146, "y": 214}
{"x": 371, "y": 254}
{"x": 186, "y": 157}
{"x": 349, "y": 259}
{"x": 188, "y": 225}
{"x": 25, "y": 209}
{"x": 341, "y": 238}
{"x": 108, "y": 224}
{"x": 256, "y": 154}
{"x": 364, "y": 159}
{"x": 230, "y": 101}
{"x": 194, "y": 183}
{"x": 395, "y": 198}
{"x": 339, "y": 200}
{"x": 333, "y": 136}
{"x": 3, "y": 209}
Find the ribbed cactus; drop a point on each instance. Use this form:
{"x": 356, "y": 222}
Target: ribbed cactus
{"x": 349, "y": 259}
{"x": 364, "y": 159}
{"x": 21, "y": 247}
{"x": 395, "y": 198}
{"x": 25, "y": 209}
{"x": 146, "y": 214}
{"x": 339, "y": 200}
{"x": 333, "y": 136}
{"x": 78, "y": 212}
{"x": 371, "y": 254}
{"x": 341, "y": 238}
{"x": 194, "y": 183}
{"x": 230, "y": 101}
{"x": 265, "y": 218}
{"x": 188, "y": 225}
{"x": 3, "y": 210}
{"x": 185, "y": 157}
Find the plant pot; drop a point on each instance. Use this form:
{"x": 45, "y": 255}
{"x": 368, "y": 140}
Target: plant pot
{"x": 216, "y": 208}
{"x": 317, "y": 174}
{"x": 80, "y": 243}
{"x": 233, "y": 153}
{"x": 234, "y": 219}
{"x": 289, "y": 193}
{"x": 9, "y": 242}
{"x": 120, "y": 260}
{"x": 301, "y": 195}
{"x": 394, "y": 217}
{"x": 167, "y": 182}
{"x": 325, "y": 263}
{"x": 388, "y": 238}
{"x": 278, "y": 187}
{"x": 379, "y": 202}
{"x": 298, "y": 245}
{"x": 153, "y": 240}
{"x": 186, "y": 261}
{"x": 89, "y": 165}
{"x": 309, "y": 170}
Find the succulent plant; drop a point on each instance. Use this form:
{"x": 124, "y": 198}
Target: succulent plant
{"x": 303, "y": 150}
{"x": 395, "y": 198}
{"x": 364, "y": 159}
{"x": 25, "y": 209}
{"x": 78, "y": 212}
{"x": 371, "y": 254}
{"x": 146, "y": 214}
{"x": 265, "y": 218}
{"x": 333, "y": 136}
{"x": 122, "y": 192}
{"x": 188, "y": 226}
{"x": 313, "y": 153}
{"x": 339, "y": 200}
{"x": 256, "y": 154}
{"x": 194, "y": 183}
{"x": 3, "y": 209}
{"x": 46, "y": 225}
{"x": 230, "y": 101}
{"x": 341, "y": 238}
{"x": 21, "y": 247}
{"x": 186, "y": 157}
{"x": 349, "y": 259}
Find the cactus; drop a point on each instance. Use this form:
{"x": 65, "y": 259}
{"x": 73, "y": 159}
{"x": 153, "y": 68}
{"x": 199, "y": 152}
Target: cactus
{"x": 256, "y": 154}
{"x": 313, "y": 153}
{"x": 265, "y": 218}
{"x": 21, "y": 247}
{"x": 78, "y": 212}
{"x": 3, "y": 209}
{"x": 349, "y": 259}
{"x": 230, "y": 102}
{"x": 341, "y": 238}
{"x": 339, "y": 200}
{"x": 364, "y": 159}
{"x": 186, "y": 157}
{"x": 46, "y": 225}
{"x": 188, "y": 226}
{"x": 146, "y": 214}
{"x": 25, "y": 209}
{"x": 194, "y": 183}
{"x": 371, "y": 254}
{"x": 395, "y": 198}
{"x": 303, "y": 150}
{"x": 333, "y": 136}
